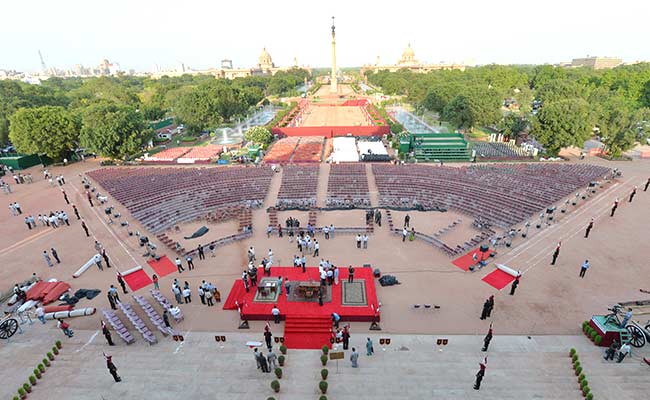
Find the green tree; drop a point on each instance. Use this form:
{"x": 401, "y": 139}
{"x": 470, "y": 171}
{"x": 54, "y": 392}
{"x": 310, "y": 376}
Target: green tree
{"x": 459, "y": 112}
{"x": 560, "y": 90}
{"x": 259, "y": 135}
{"x": 114, "y": 130}
{"x": 562, "y": 123}
{"x": 51, "y": 130}
{"x": 512, "y": 124}
{"x": 196, "y": 110}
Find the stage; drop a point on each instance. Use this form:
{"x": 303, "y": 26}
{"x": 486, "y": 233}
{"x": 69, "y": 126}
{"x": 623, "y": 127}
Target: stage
{"x": 359, "y": 305}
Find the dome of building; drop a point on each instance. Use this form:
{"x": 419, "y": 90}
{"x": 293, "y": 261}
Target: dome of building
{"x": 408, "y": 57}
{"x": 265, "y": 60}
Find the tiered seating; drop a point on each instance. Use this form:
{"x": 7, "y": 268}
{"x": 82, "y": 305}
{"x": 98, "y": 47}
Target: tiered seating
{"x": 282, "y": 150}
{"x": 118, "y": 326}
{"x": 137, "y": 322}
{"x": 348, "y": 186}
{"x": 153, "y": 315}
{"x": 298, "y": 187}
{"x": 309, "y": 149}
{"x": 162, "y": 197}
{"x": 499, "y": 151}
{"x": 164, "y": 303}
{"x": 200, "y": 154}
{"x": 503, "y": 194}
{"x": 169, "y": 155}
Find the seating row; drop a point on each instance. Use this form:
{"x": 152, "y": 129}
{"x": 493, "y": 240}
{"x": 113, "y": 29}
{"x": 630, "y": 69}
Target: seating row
{"x": 117, "y": 325}
{"x": 137, "y": 322}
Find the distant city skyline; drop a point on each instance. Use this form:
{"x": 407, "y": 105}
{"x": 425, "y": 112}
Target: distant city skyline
{"x": 141, "y": 35}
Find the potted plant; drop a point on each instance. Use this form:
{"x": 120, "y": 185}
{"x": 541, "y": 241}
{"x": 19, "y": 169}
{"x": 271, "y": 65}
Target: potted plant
{"x": 58, "y": 344}
{"x": 37, "y": 373}
{"x": 46, "y": 362}
{"x": 55, "y": 350}
{"x": 323, "y": 386}
{"x": 598, "y": 340}
{"x": 574, "y": 358}
{"x": 283, "y": 349}
{"x": 322, "y": 398}
{"x": 278, "y": 372}
{"x": 41, "y": 368}
{"x": 323, "y": 373}
{"x": 586, "y": 390}
{"x": 50, "y": 356}
{"x": 271, "y": 398}
{"x": 27, "y": 387}
{"x": 576, "y": 365}
{"x": 323, "y": 360}
{"x": 578, "y": 370}
{"x": 325, "y": 349}
{"x": 281, "y": 361}
{"x": 32, "y": 380}
{"x": 22, "y": 393}
{"x": 275, "y": 385}
{"x": 16, "y": 398}
{"x": 572, "y": 352}
{"x": 581, "y": 377}
{"x": 589, "y": 396}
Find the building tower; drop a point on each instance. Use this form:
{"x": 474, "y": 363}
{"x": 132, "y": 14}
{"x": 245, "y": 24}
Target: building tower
{"x": 43, "y": 66}
{"x": 333, "y": 86}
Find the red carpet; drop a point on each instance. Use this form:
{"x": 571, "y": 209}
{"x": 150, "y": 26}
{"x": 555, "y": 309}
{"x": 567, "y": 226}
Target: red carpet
{"x": 162, "y": 267}
{"x": 466, "y": 261}
{"x": 498, "y": 279}
{"x": 262, "y": 311}
{"x": 137, "y": 280}
{"x": 307, "y": 332}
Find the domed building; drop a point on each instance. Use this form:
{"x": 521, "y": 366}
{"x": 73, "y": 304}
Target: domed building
{"x": 265, "y": 62}
{"x": 409, "y": 62}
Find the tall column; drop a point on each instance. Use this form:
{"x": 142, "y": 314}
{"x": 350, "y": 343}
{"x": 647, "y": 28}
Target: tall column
{"x": 333, "y": 82}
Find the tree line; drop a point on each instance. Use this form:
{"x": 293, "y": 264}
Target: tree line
{"x": 111, "y": 115}
{"x": 571, "y": 104}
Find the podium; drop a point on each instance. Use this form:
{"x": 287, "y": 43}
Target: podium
{"x": 608, "y": 331}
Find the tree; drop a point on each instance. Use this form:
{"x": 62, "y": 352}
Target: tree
{"x": 562, "y": 123}
{"x": 114, "y": 130}
{"x": 560, "y": 90}
{"x": 51, "y": 130}
{"x": 476, "y": 106}
{"x": 512, "y": 124}
{"x": 459, "y": 112}
{"x": 196, "y": 110}
{"x": 259, "y": 135}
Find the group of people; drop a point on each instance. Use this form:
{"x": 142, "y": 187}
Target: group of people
{"x": 362, "y": 241}
{"x": 207, "y": 292}
{"x": 373, "y": 215}
{"x": 615, "y": 350}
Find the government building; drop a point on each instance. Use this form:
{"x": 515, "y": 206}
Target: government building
{"x": 409, "y": 62}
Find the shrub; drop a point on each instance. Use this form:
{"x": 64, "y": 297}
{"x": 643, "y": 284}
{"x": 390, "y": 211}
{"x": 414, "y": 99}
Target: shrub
{"x": 32, "y": 380}
{"x": 46, "y": 362}
{"x": 593, "y": 335}
{"x": 574, "y": 358}
{"x": 323, "y": 373}
{"x": 325, "y": 349}
{"x": 27, "y": 387}
{"x": 323, "y": 359}
{"x": 578, "y": 370}
{"x": 278, "y": 373}
{"x": 275, "y": 385}
{"x": 22, "y": 392}
{"x": 581, "y": 377}
{"x": 586, "y": 390}
{"x": 50, "y": 356}
{"x": 16, "y": 398}
{"x": 283, "y": 349}
{"x": 598, "y": 340}
{"x": 55, "y": 350}
{"x": 322, "y": 398}
{"x": 572, "y": 352}
{"x": 58, "y": 344}
{"x": 281, "y": 361}
{"x": 589, "y": 396}
{"x": 323, "y": 386}
{"x": 41, "y": 368}
{"x": 584, "y": 383}
{"x": 271, "y": 398}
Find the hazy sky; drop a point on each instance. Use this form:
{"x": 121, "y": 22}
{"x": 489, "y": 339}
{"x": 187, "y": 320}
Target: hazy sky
{"x": 141, "y": 33}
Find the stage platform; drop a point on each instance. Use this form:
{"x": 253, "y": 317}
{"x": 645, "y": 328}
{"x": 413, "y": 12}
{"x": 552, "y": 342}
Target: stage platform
{"x": 359, "y": 305}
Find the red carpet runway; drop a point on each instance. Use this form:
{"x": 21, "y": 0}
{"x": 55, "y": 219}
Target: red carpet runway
{"x": 163, "y": 267}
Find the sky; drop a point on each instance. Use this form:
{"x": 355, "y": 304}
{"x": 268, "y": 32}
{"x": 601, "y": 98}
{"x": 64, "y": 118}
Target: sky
{"x": 139, "y": 34}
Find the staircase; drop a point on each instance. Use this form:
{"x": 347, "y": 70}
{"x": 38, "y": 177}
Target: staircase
{"x": 307, "y": 332}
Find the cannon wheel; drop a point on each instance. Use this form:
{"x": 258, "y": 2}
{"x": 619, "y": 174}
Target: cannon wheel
{"x": 8, "y": 328}
{"x": 637, "y": 337}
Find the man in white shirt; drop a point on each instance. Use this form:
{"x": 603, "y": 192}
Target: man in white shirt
{"x": 276, "y": 314}
{"x": 624, "y": 351}
{"x": 187, "y": 295}
{"x": 316, "y": 248}
{"x": 365, "y": 241}
{"x": 40, "y": 314}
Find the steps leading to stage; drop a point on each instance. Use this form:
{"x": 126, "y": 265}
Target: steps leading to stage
{"x": 307, "y": 332}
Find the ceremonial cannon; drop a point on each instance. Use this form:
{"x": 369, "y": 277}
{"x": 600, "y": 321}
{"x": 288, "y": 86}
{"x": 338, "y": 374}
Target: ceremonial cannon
{"x": 8, "y": 326}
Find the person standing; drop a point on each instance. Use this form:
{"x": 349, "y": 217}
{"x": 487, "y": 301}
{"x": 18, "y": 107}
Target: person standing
{"x": 628, "y": 316}
{"x": 244, "y": 278}
{"x": 55, "y": 255}
{"x": 47, "y": 258}
{"x": 316, "y": 248}
{"x": 268, "y": 337}
{"x": 187, "y": 295}
{"x": 358, "y": 241}
{"x": 287, "y": 286}
{"x": 647, "y": 183}
{"x": 263, "y": 363}
{"x": 165, "y": 317}
{"x": 179, "y": 265}
{"x": 276, "y": 314}
{"x": 279, "y": 285}
{"x": 490, "y": 306}
{"x": 584, "y": 268}
{"x": 364, "y": 239}
{"x": 354, "y": 358}
{"x": 201, "y": 295}
{"x": 85, "y": 228}
{"x": 487, "y": 339}
{"x": 154, "y": 278}
{"x": 29, "y": 224}
{"x": 120, "y": 280}
{"x": 65, "y": 196}
{"x": 40, "y": 314}
{"x": 404, "y": 234}
{"x": 208, "y": 298}
{"x": 346, "y": 337}
{"x": 623, "y": 352}
{"x": 336, "y": 275}
{"x": 480, "y": 374}
{"x": 76, "y": 212}
{"x": 201, "y": 253}
{"x": 190, "y": 263}
{"x": 65, "y": 327}
{"x": 350, "y": 274}
{"x": 370, "y": 350}
{"x": 632, "y": 194}
{"x": 111, "y": 301}
{"x": 335, "y": 320}
{"x": 515, "y": 283}
{"x": 326, "y": 231}
{"x": 90, "y": 198}
{"x": 407, "y": 221}
{"x": 556, "y": 253}
{"x": 614, "y": 207}
{"x": 486, "y": 307}
{"x": 271, "y": 359}
{"x": 611, "y": 351}
{"x": 112, "y": 369}
{"x": 98, "y": 261}
{"x": 177, "y": 294}
{"x": 589, "y": 228}
{"x": 107, "y": 334}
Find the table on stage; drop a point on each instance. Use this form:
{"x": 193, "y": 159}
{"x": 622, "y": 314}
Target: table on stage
{"x": 267, "y": 288}
{"x": 308, "y": 288}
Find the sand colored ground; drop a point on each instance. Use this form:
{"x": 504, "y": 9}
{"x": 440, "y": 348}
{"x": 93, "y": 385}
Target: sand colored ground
{"x": 324, "y": 94}
{"x": 334, "y": 116}
{"x": 549, "y": 299}
{"x": 216, "y": 231}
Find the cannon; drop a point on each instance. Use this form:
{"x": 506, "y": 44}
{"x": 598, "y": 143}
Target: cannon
{"x": 8, "y": 326}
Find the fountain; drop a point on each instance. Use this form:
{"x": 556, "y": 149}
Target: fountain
{"x": 224, "y": 138}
